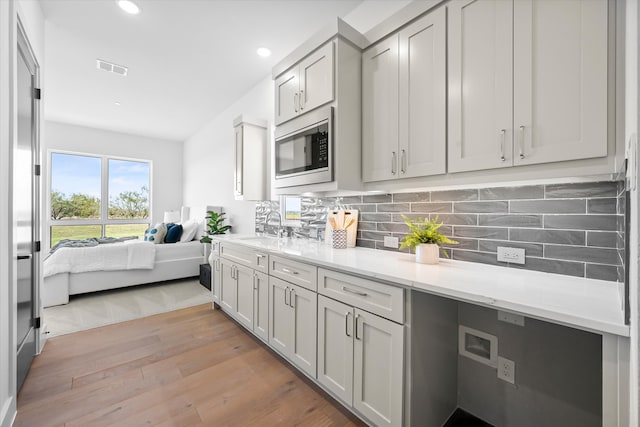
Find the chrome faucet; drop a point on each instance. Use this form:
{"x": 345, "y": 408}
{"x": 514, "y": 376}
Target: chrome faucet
{"x": 281, "y": 231}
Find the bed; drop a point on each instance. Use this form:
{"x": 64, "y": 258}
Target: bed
{"x": 72, "y": 271}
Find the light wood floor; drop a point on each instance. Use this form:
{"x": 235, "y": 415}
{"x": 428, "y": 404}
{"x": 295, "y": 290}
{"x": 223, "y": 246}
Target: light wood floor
{"x": 191, "y": 367}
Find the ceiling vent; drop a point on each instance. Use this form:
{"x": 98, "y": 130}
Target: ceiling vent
{"x": 111, "y": 67}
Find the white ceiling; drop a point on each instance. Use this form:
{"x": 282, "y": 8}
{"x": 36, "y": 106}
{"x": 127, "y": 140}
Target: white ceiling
{"x": 188, "y": 59}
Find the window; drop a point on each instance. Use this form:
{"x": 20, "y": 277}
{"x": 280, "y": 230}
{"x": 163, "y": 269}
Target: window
{"x": 291, "y": 210}
{"x": 94, "y": 196}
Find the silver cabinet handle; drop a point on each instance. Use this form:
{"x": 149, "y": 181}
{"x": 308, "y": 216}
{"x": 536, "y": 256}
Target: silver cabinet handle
{"x": 302, "y": 100}
{"x": 21, "y": 257}
{"x": 351, "y": 291}
{"x": 286, "y": 292}
{"x": 255, "y": 282}
{"x": 403, "y": 162}
{"x": 502, "y": 135}
{"x": 522, "y": 142}
{"x": 286, "y": 270}
{"x": 292, "y": 298}
{"x": 346, "y": 323}
{"x": 232, "y": 275}
{"x": 295, "y": 102}
{"x": 393, "y": 163}
{"x": 356, "y": 325}
{"x": 260, "y": 256}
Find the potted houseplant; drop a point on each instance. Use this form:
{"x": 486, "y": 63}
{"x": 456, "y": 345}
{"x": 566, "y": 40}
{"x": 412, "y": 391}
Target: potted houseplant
{"x": 214, "y": 226}
{"x": 425, "y": 238}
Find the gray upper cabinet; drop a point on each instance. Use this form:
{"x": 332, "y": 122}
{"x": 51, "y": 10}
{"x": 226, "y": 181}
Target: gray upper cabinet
{"x": 250, "y": 150}
{"x": 404, "y": 102}
{"x": 307, "y": 85}
{"x": 527, "y": 82}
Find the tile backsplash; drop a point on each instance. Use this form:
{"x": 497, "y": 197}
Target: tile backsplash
{"x": 573, "y": 229}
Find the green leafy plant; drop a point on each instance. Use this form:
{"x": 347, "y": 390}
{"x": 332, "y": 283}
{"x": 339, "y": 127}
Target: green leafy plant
{"x": 424, "y": 230}
{"x": 214, "y": 225}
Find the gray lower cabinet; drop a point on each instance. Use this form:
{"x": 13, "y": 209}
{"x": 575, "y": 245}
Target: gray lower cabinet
{"x": 237, "y": 292}
{"x": 292, "y": 323}
{"x": 215, "y": 279}
{"x": 261, "y": 305}
{"x": 228, "y": 288}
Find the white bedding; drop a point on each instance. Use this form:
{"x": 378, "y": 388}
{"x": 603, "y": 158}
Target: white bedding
{"x": 128, "y": 255}
{"x": 173, "y": 251}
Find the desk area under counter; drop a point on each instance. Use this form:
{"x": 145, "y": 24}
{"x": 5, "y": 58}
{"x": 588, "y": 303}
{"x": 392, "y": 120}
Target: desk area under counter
{"x": 570, "y": 354}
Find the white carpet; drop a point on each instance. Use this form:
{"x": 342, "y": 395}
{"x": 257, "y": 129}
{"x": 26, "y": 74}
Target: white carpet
{"x": 104, "y": 308}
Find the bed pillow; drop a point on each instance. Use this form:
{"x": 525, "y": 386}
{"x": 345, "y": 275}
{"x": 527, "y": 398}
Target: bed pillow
{"x": 156, "y": 233}
{"x": 174, "y": 232}
{"x": 189, "y": 230}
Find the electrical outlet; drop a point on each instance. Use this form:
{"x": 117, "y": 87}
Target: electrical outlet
{"x": 512, "y": 255}
{"x": 506, "y": 370}
{"x": 390, "y": 242}
{"x": 515, "y": 319}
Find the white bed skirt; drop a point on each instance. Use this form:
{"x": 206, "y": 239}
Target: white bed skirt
{"x": 57, "y": 288}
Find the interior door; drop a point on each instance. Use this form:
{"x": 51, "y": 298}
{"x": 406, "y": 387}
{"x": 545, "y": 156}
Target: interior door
{"x": 25, "y": 193}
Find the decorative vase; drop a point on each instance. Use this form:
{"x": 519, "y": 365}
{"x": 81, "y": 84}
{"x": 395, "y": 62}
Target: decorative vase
{"x": 427, "y": 253}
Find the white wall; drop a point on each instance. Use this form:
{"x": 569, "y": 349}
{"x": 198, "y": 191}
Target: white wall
{"x": 166, "y": 186}
{"x": 208, "y": 155}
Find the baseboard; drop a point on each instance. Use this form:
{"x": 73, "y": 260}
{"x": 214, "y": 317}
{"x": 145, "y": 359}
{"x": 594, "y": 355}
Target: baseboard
{"x": 8, "y": 413}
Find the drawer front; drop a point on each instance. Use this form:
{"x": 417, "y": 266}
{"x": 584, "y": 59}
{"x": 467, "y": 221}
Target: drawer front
{"x": 215, "y": 247}
{"x": 261, "y": 262}
{"x": 295, "y": 272}
{"x": 378, "y": 298}
{"x": 239, "y": 254}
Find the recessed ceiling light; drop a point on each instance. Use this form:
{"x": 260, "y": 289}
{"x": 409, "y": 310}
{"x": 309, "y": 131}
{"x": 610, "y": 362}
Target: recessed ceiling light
{"x": 263, "y": 52}
{"x": 117, "y": 104}
{"x": 129, "y": 6}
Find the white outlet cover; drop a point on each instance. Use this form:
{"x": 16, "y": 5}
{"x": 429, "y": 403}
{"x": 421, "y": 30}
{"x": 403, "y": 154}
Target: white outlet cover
{"x": 515, "y": 319}
{"x": 506, "y": 370}
{"x": 391, "y": 242}
{"x": 512, "y": 255}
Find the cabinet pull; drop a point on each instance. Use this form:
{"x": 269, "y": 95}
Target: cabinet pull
{"x": 292, "y": 298}
{"x": 346, "y": 323}
{"x": 286, "y": 270}
{"x": 255, "y": 283}
{"x": 522, "y": 142}
{"x": 301, "y": 100}
{"x": 351, "y": 291}
{"x": 502, "y": 135}
{"x": 286, "y": 291}
{"x": 403, "y": 162}
{"x": 260, "y": 256}
{"x": 295, "y": 102}
{"x": 393, "y": 163}
{"x": 232, "y": 271}
{"x": 356, "y": 325}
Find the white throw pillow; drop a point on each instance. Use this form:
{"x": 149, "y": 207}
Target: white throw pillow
{"x": 189, "y": 230}
{"x": 157, "y": 233}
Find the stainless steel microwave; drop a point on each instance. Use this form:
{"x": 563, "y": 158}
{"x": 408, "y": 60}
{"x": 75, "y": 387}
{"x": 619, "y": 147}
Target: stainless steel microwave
{"x": 304, "y": 150}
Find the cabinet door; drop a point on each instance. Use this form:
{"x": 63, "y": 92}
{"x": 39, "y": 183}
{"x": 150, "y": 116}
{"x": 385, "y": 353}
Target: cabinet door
{"x": 380, "y": 111}
{"x": 335, "y": 347}
{"x": 560, "y": 80}
{"x": 286, "y": 96}
{"x": 280, "y": 316}
{"x": 244, "y": 300}
{"x": 261, "y": 306}
{"x": 316, "y": 79}
{"x": 304, "y": 305}
{"x": 378, "y": 368}
{"x": 422, "y": 126}
{"x": 228, "y": 287}
{"x": 215, "y": 279}
{"x": 238, "y": 169}
{"x": 480, "y": 84}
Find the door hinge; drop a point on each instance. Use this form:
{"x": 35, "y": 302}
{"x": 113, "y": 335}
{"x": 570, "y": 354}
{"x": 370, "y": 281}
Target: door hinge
{"x": 36, "y": 323}
{"x": 37, "y": 93}
{"x": 36, "y": 170}
{"x": 36, "y": 246}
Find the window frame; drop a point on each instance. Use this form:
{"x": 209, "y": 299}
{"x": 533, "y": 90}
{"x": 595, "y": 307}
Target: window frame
{"x": 104, "y": 220}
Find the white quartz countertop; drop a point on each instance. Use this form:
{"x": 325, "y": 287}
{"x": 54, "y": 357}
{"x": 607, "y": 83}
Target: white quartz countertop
{"x": 593, "y": 305}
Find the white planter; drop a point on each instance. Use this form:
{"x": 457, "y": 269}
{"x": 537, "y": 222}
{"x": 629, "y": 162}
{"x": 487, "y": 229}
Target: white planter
{"x": 427, "y": 253}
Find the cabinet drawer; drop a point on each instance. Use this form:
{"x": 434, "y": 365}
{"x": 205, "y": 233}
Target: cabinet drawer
{"x": 384, "y": 300}
{"x": 239, "y": 254}
{"x": 261, "y": 262}
{"x": 215, "y": 248}
{"x": 294, "y": 272}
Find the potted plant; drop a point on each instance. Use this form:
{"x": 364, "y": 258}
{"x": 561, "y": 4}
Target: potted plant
{"x": 425, "y": 238}
{"x": 214, "y": 226}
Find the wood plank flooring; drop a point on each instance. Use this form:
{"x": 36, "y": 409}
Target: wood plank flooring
{"x": 191, "y": 367}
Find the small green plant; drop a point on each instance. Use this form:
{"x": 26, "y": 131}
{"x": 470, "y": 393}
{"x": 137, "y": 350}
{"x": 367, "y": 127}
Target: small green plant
{"x": 424, "y": 231}
{"x": 214, "y": 225}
